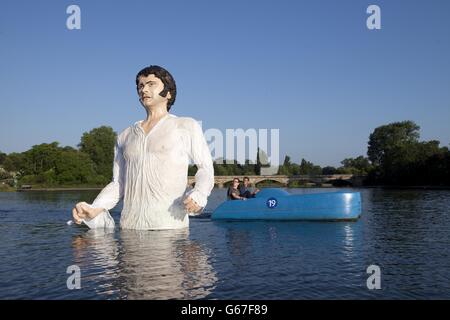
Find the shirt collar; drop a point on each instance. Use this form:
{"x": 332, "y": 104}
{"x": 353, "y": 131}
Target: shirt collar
{"x": 137, "y": 124}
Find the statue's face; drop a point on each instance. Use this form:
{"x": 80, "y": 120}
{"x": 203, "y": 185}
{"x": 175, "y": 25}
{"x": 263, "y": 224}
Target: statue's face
{"x": 149, "y": 88}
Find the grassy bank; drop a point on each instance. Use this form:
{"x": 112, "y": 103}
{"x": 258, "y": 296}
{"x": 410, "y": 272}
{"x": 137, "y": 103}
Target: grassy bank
{"x": 6, "y": 188}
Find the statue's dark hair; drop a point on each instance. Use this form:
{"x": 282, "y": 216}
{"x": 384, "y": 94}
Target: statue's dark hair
{"x": 165, "y": 77}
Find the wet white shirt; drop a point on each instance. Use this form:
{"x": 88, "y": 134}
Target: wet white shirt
{"x": 150, "y": 174}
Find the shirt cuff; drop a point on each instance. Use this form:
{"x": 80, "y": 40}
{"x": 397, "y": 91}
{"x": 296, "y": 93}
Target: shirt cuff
{"x": 102, "y": 220}
{"x": 199, "y": 198}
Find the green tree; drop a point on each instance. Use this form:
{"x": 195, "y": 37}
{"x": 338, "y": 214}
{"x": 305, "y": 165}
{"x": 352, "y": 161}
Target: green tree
{"x": 15, "y": 162}
{"x": 249, "y": 169}
{"x": 308, "y": 168}
{"x": 75, "y": 167}
{"x": 41, "y": 158}
{"x": 220, "y": 169}
{"x": 99, "y": 145}
{"x": 4, "y": 174}
{"x": 359, "y": 165}
{"x": 192, "y": 170}
{"x": 387, "y": 140}
{"x": 329, "y": 170}
{"x": 2, "y": 157}
{"x": 400, "y": 159}
{"x": 286, "y": 167}
{"x": 436, "y": 169}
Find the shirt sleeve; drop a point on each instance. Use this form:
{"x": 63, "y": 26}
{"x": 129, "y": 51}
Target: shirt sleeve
{"x": 201, "y": 156}
{"x": 111, "y": 194}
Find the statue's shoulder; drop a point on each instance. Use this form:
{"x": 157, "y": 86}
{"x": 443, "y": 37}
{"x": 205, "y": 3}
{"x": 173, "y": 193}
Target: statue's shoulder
{"x": 185, "y": 123}
{"x": 122, "y": 136}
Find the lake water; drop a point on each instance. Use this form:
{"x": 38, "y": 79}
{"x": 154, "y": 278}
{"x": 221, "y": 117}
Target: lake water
{"x": 404, "y": 232}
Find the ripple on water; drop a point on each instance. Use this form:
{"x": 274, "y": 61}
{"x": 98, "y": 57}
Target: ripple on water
{"x": 405, "y": 232}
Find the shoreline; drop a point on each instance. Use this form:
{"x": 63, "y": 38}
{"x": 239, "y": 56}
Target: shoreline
{"x": 60, "y": 189}
{"x": 309, "y": 187}
{"x": 408, "y": 187}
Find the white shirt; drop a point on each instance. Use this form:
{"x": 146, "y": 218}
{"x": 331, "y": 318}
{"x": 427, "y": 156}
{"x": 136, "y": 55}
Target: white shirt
{"x": 150, "y": 174}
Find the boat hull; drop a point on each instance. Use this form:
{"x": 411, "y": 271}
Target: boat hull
{"x": 277, "y": 204}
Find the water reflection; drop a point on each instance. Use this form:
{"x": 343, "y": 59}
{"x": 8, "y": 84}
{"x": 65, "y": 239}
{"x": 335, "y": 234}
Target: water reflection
{"x": 348, "y": 239}
{"x": 135, "y": 264}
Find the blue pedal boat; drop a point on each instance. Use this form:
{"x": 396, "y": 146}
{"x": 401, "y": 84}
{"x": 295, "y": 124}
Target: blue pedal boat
{"x": 278, "y": 204}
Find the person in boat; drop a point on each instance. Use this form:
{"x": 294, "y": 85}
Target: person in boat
{"x": 245, "y": 190}
{"x": 150, "y": 170}
{"x": 233, "y": 191}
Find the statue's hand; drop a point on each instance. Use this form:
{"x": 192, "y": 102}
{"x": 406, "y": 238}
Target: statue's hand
{"x": 83, "y": 211}
{"x": 191, "y": 206}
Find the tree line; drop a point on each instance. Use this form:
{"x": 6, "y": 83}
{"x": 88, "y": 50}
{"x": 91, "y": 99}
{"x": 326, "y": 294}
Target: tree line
{"x": 49, "y": 164}
{"x": 395, "y": 156}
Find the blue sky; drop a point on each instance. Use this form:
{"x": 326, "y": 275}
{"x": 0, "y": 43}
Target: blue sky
{"x": 310, "y": 68}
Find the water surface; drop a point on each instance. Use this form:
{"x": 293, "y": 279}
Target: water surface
{"x": 405, "y": 232}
